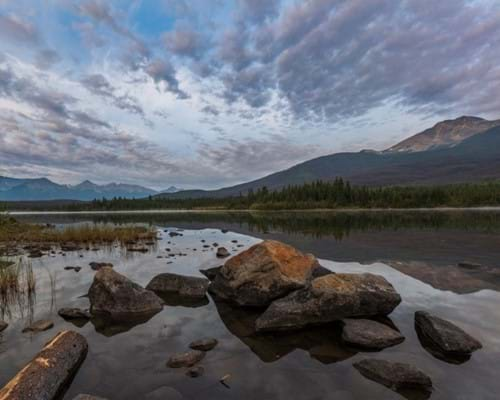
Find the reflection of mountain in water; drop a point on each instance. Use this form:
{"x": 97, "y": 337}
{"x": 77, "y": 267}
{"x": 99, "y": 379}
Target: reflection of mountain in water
{"x": 322, "y": 343}
{"x": 457, "y": 279}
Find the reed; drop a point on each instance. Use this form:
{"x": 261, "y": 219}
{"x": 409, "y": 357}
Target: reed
{"x": 17, "y": 286}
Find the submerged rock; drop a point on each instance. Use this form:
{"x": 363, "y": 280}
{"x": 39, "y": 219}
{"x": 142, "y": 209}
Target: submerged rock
{"x": 195, "y": 372}
{"x": 401, "y": 378}
{"x": 3, "y": 325}
{"x": 96, "y": 266}
{"x": 184, "y": 286}
{"x": 369, "y": 335}
{"x": 45, "y": 377}
{"x": 204, "y": 344}
{"x": 329, "y": 298}
{"x": 164, "y": 393}
{"x": 74, "y": 313}
{"x": 441, "y": 337}
{"x": 117, "y": 296}
{"x": 264, "y": 272}
{"x": 222, "y": 252}
{"x": 39, "y": 326}
{"x": 87, "y": 397}
{"x": 187, "y": 359}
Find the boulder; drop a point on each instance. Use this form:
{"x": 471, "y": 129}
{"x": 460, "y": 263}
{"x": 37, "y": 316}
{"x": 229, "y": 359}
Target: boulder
{"x": 187, "y": 359}
{"x": 3, "y": 325}
{"x": 222, "y": 252}
{"x": 74, "y": 313}
{"x": 401, "y": 378}
{"x": 263, "y": 273}
{"x": 443, "y": 336}
{"x": 329, "y": 298}
{"x": 185, "y": 286}
{"x": 39, "y": 326}
{"x": 211, "y": 273}
{"x": 369, "y": 335}
{"x": 46, "y": 376}
{"x": 117, "y": 296}
{"x": 206, "y": 344}
{"x": 96, "y": 266}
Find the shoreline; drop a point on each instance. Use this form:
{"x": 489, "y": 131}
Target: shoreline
{"x": 210, "y": 211}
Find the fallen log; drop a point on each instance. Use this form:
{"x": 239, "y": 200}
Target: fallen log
{"x": 49, "y": 373}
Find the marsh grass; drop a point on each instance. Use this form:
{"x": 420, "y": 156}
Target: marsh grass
{"x": 17, "y": 287}
{"x": 13, "y": 231}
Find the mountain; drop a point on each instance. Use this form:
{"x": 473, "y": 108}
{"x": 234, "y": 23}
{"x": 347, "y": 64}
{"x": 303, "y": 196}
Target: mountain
{"x": 171, "y": 189}
{"x": 475, "y": 158}
{"x": 445, "y": 134}
{"x": 12, "y": 189}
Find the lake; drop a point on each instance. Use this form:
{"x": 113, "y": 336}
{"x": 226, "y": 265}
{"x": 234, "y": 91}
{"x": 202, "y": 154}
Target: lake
{"x": 418, "y": 252}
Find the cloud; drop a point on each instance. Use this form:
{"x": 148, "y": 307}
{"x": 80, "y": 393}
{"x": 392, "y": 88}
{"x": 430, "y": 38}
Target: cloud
{"x": 162, "y": 72}
{"x": 185, "y": 42}
{"x": 47, "y": 58}
{"x": 18, "y": 30}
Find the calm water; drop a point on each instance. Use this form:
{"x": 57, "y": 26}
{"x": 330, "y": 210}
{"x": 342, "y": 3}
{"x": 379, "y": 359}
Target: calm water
{"x": 417, "y": 252}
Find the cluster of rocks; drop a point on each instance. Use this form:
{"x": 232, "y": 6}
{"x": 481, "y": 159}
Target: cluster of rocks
{"x": 191, "y": 358}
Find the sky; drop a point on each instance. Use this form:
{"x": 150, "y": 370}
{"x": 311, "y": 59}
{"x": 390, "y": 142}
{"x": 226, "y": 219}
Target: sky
{"x": 209, "y": 93}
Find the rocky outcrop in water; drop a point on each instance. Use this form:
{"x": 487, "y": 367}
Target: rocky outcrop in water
{"x": 369, "y": 335}
{"x": 39, "y": 326}
{"x": 329, "y": 298}
{"x": 401, "y": 378}
{"x": 184, "y": 286}
{"x": 117, "y": 296}
{"x": 187, "y": 359}
{"x": 263, "y": 273}
{"x": 45, "y": 377}
{"x": 206, "y": 344}
{"x": 444, "y": 339}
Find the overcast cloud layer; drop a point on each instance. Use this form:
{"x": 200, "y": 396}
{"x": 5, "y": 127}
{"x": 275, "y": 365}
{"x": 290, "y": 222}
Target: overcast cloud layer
{"x": 210, "y": 93}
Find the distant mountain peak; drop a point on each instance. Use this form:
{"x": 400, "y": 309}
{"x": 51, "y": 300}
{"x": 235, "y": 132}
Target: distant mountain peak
{"x": 446, "y": 133}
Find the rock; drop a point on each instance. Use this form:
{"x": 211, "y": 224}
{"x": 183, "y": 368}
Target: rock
{"x": 211, "y": 273}
{"x": 39, "y": 326}
{"x": 369, "y": 335}
{"x": 320, "y": 271}
{"x": 195, "y": 372}
{"x": 74, "y": 313}
{"x": 469, "y": 265}
{"x": 3, "y": 325}
{"x": 443, "y": 336}
{"x": 174, "y": 234}
{"x": 204, "y": 344}
{"x": 117, "y": 296}
{"x": 222, "y": 252}
{"x": 329, "y": 298}
{"x": 35, "y": 254}
{"x": 46, "y": 376}
{"x": 87, "y": 397}
{"x": 399, "y": 377}
{"x": 185, "y": 286}
{"x": 264, "y": 272}
{"x": 96, "y": 266}
{"x": 76, "y": 269}
{"x": 187, "y": 359}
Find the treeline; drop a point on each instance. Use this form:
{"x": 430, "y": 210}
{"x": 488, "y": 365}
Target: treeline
{"x": 316, "y": 195}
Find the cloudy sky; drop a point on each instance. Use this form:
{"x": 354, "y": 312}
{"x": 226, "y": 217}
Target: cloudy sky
{"x": 207, "y": 93}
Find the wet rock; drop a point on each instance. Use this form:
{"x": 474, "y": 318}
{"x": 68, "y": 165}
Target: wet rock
{"x": 195, "y": 372}
{"x": 174, "y": 234}
{"x": 87, "y": 397}
{"x": 117, "y": 296}
{"x": 45, "y": 377}
{"x": 320, "y": 271}
{"x": 187, "y": 359}
{"x": 74, "y": 313}
{"x": 369, "y": 335}
{"x": 224, "y": 230}
{"x": 329, "y": 298}
{"x": 404, "y": 379}
{"x": 164, "y": 393}
{"x": 96, "y": 266}
{"x": 264, "y": 272}
{"x": 185, "y": 286}
{"x": 39, "y": 326}
{"x": 70, "y": 268}
{"x": 211, "y": 273}
{"x": 444, "y": 337}
{"x": 206, "y": 344}
{"x": 3, "y": 325}
{"x": 468, "y": 265}
{"x": 222, "y": 252}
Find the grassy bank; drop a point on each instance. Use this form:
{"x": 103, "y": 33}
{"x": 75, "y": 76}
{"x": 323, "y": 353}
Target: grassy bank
{"x": 13, "y": 231}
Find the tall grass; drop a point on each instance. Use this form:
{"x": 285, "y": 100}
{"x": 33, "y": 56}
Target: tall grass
{"x": 17, "y": 287}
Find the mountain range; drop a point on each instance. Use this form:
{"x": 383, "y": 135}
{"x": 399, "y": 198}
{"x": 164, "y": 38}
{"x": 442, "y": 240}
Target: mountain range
{"x": 13, "y": 189}
{"x": 466, "y": 149}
